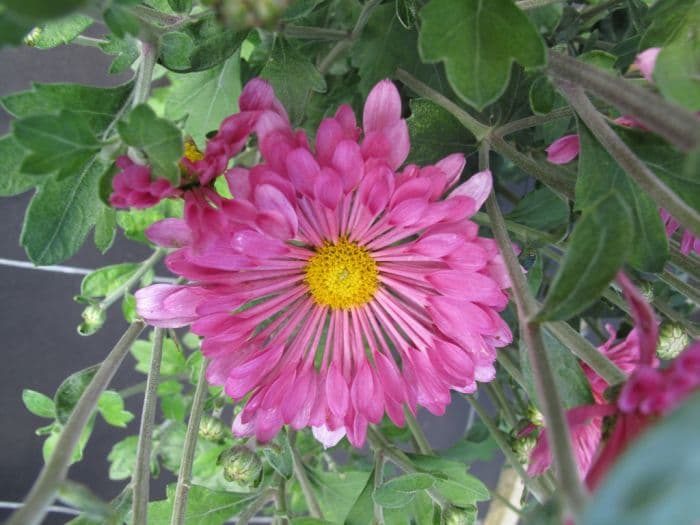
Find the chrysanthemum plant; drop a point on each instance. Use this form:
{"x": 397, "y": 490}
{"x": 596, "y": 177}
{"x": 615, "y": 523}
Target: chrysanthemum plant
{"x": 312, "y": 173}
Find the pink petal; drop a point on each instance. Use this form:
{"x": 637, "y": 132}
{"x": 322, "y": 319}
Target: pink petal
{"x": 382, "y": 107}
{"x": 452, "y": 166}
{"x": 169, "y": 306}
{"x": 171, "y": 233}
{"x": 478, "y": 187}
{"x": 646, "y": 62}
{"x": 328, "y": 438}
{"x": 303, "y": 170}
{"x": 563, "y": 150}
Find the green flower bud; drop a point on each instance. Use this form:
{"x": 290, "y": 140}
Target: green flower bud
{"x": 459, "y": 516}
{"x": 94, "y": 317}
{"x": 672, "y": 341}
{"x": 535, "y": 416}
{"x": 252, "y": 13}
{"x": 30, "y": 39}
{"x": 522, "y": 446}
{"x": 241, "y": 465}
{"x": 212, "y": 429}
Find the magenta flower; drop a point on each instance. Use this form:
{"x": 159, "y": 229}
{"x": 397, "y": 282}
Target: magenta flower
{"x": 332, "y": 288}
{"x": 646, "y": 62}
{"x": 689, "y": 242}
{"x": 134, "y": 188}
{"x": 564, "y": 149}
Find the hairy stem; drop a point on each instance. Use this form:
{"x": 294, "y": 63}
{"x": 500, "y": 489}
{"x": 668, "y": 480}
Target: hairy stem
{"x": 258, "y": 503}
{"x": 532, "y": 121}
{"x": 54, "y": 472}
{"x": 185, "y": 473}
{"x": 303, "y": 479}
{"x": 418, "y": 434}
{"x": 534, "y": 4}
{"x": 281, "y": 500}
{"x": 142, "y": 470}
{"x": 378, "y": 480}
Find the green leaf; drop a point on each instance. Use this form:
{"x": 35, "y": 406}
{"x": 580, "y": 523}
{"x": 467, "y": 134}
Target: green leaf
{"x": 61, "y": 142}
{"x": 293, "y": 76}
{"x": 38, "y": 404}
{"x": 81, "y": 497}
{"x": 435, "y": 133}
{"x": 204, "y": 506}
{"x": 362, "y": 511}
{"x": 96, "y": 106}
{"x": 111, "y": 407}
{"x": 205, "y": 98}
{"x": 125, "y": 50}
{"x": 40, "y": 9}
{"x": 598, "y": 174}
{"x": 571, "y": 382}
{"x": 14, "y": 27}
{"x": 62, "y": 31}
{"x": 106, "y": 280}
{"x": 280, "y": 457}
{"x": 12, "y": 181}
{"x": 160, "y": 139}
{"x": 105, "y": 229}
{"x": 468, "y": 36}
{"x": 134, "y": 222}
{"x": 337, "y": 491}
{"x": 70, "y": 390}
{"x": 211, "y": 44}
{"x": 173, "y": 362}
{"x": 121, "y": 21}
{"x": 51, "y": 441}
{"x": 541, "y": 209}
{"x": 542, "y": 96}
{"x": 386, "y": 45}
{"x": 657, "y": 479}
{"x": 310, "y": 521}
{"x": 180, "y": 6}
{"x": 599, "y": 246}
{"x": 478, "y": 445}
{"x": 129, "y": 308}
{"x": 61, "y": 214}
{"x": 122, "y": 458}
{"x": 452, "y": 479}
{"x": 400, "y": 491}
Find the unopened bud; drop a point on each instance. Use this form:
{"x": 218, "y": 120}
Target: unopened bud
{"x": 459, "y": 516}
{"x": 241, "y": 465}
{"x": 252, "y": 13}
{"x": 31, "y": 38}
{"x": 672, "y": 341}
{"x": 535, "y": 416}
{"x": 93, "y": 319}
{"x": 647, "y": 291}
{"x": 212, "y": 429}
{"x": 522, "y": 446}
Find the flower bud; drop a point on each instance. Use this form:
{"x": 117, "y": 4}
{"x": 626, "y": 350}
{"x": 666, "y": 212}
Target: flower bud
{"x": 212, "y": 429}
{"x": 523, "y": 445}
{"x": 93, "y": 319}
{"x": 459, "y": 516}
{"x": 241, "y": 465}
{"x": 252, "y": 13}
{"x": 30, "y": 39}
{"x": 672, "y": 341}
{"x": 647, "y": 291}
{"x": 535, "y": 416}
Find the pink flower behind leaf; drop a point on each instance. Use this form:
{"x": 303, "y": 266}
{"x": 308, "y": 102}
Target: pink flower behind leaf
{"x": 689, "y": 242}
{"x": 564, "y": 149}
{"x": 646, "y": 62}
{"x": 133, "y": 186}
{"x": 334, "y": 288}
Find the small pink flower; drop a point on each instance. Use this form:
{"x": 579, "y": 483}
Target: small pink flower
{"x": 134, "y": 188}
{"x": 564, "y": 149}
{"x": 689, "y": 242}
{"x": 335, "y": 287}
{"x": 646, "y": 62}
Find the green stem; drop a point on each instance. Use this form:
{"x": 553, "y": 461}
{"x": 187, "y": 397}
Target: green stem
{"x": 500, "y": 402}
{"x": 534, "y": 4}
{"x": 141, "y": 478}
{"x": 142, "y": 87}
{"x": 681, "y": 286}
{"x": 281, "y": 500}
{"x": 509, "y": 366}
{"x": 548, "y": 395}
{"x": 250, "y": 512}
{"x": 54, "y": 472}
{"x": 672, "y": 122}
{"x": 524, "y": 233}
{"x": 688, "y": 263}
{"x": 378, "y": 480}
{"x": 131, "y": 281}
{"x": 418, "y": 434}
{"x": 303, "y": 479}
{"x": 625, "y": 157}
{"x": 185, "y": 473}
{"x": 82, "y": 40}
{"x": 674, "y": 316}
{"x": 532, "y": 484}
{"x": 313, "y": 33}
{"x": 532, "y": 121}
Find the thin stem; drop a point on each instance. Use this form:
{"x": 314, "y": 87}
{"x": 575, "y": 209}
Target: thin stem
{"x": 378, "y": 480}
{"x": 313, "y": 33}
{"x": 54, "y": 472}
{"x": 595, "y": 10}
{"x": 559, "y": 435}
{"x": 524, "y": 233}
{"x": 688, "y": 263}
{"x": 476, "y": 128}
{"x": 532, "y": 484}
{"x": 185, "y": 473}
{"x": 281, "y": 500}
{"x": 249, "y": 513}
{"x": 500, "y": 402}
{"x": 131, "y": 281}
{"x": 626, "y": 158}
{"x": 418, "y": 434}
{"x": 507, "y": 363}
{"x": 681, "y": 286}
{"x": 142, "y": 87}
{"x": 672, "y": 122}
{"x": 534, "y": 4}
{"x": 674, "y": 316}
{"x": 141, "y": 478}
{"x": 303, "y": 479}
{"x": 88, "y": 41}
{"x": 532, "y": 121}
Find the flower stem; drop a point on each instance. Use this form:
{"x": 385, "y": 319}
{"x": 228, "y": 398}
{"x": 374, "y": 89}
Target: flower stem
{"x": 249, "y": 513}
{"x": 500, "y": 402}
{"x": 129, "y": 283}
{"x": 624, "y": 156}
{"x": 509, "y": 366}
{"x": 314, "y": 33}
{"x": 532, "y": 121}
{"x": 378, "y": 480}
{"x": 141, "y": 478}
{"x": 142, "y": 87}
{"x": 281, "y": 500}
{"x": 55, "y": 470}
{"x": 534, "y": 4}
{"x": 185, "y": 473}
{"x": 545, "y": 386}
{"x": 418, "y": 434}
{"x": 82, "y": 40}
{"x": 303, "y": 479}
{"x": 681, "y": 286}
{"x": 672, "y": 122}
{"x": 688, "y": 263}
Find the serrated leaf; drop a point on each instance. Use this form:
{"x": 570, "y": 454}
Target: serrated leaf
{"x": 61, "y": 31}
{"x": 293, "y": 76}
{"x": 385, "y": 45}
{"x": 452, "y": 479}
{"x": 61, "y": 214}
{"x": 467, "y": 35}
{"x": 599, "y": 245}
{"x": 38, "y": 404}
{"x": 12, "y": 180}
{"x": 657, "y": 479}
{"x": 70, "y": 390}
{"x": 62, "y": 143}
{"x": 435, "y": 133}
{"x": 160, "y": 139}
{"x": 104, "y": 281}
{"x": 541, "y": 209}
{"x": 598, "y": 174}
{"x": 280, "y": 458}
{"x": 125, "y": 50}
{"x": 400, "y": 491}
{"x": 206, "y": 98}
{"x": 122, "y": 458}
{"x": 120, "y": 20}
{"x": 111, "y": 408}
{"x": 51, "y": 441}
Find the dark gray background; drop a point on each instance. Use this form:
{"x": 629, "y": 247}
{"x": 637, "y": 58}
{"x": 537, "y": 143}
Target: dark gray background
{"x": 38, "y": 316}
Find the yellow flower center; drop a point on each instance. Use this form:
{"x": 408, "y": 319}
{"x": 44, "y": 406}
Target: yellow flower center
{"x": 192, "y": 153}
{"x": 342, "y": 275}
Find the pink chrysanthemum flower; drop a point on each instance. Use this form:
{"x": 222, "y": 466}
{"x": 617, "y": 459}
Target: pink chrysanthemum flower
{"x": 134, "y": 188}
{"x": 332, "y": 288}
